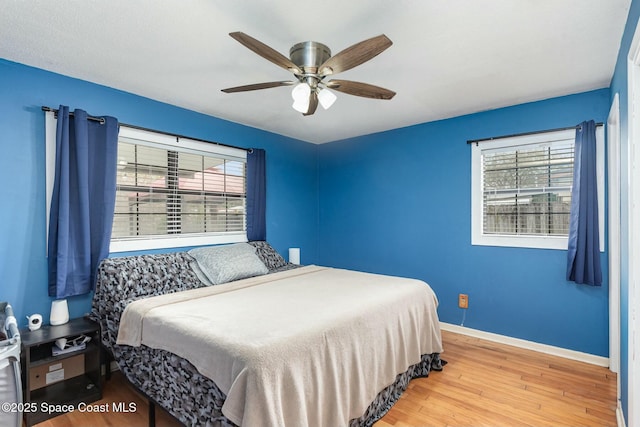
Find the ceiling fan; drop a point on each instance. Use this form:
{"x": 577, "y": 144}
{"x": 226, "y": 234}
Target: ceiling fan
{"x": 311, "y": 62}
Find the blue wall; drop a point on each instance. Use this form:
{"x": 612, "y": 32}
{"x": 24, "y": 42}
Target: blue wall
{"x": 619, "y": 86}
{"x": 398, "y": 202}
{"x": 291, "y": 173}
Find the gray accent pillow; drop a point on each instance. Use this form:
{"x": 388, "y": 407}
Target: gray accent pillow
{"x": 222, "y": 264}
{"x": 203, "y": 277}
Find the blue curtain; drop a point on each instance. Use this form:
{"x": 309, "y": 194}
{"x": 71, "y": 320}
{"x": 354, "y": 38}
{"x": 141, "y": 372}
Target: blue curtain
{"x": 83, "y": 201}
{"x": 256, "y": 195}
{"x": 583, "y": 258}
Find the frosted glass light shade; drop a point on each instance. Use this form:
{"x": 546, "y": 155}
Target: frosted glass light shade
{"x": 301, "y": 107}
{"x": 300, "y": 94}
{"x": 326, "y": 98}
{"x": 59, "y": 312}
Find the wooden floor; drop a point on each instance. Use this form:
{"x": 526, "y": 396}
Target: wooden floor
{"x": 489, "y": 384}
{"x": 484, "y": 384}
{"x": 117, "y": 390}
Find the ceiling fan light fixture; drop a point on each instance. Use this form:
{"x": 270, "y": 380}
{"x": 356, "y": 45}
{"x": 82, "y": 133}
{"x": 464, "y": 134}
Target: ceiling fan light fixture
{"x": 311, "y": 62}
{"x": 300, "y": 94}
{"x": 326, "y": 98}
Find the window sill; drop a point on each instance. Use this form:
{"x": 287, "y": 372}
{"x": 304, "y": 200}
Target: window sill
{"x": 533, "y": 242}
{"x": 166, "y": 242}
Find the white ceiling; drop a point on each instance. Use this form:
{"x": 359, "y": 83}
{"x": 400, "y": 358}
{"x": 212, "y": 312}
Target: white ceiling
{"x": 449, "y": 57}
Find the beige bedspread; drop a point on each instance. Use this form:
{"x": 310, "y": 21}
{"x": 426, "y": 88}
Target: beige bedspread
{"x": 306, "y": 347}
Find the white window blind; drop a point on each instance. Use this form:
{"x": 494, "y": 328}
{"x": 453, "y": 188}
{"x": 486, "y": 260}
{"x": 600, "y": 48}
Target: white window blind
{"x": 175, "y": 192}
{"x": 527, "y": 189}
{"x": 161, "y": 191}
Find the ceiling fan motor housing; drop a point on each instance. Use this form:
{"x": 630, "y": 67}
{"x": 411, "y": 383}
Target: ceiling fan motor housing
{"x": 309, "y": 55}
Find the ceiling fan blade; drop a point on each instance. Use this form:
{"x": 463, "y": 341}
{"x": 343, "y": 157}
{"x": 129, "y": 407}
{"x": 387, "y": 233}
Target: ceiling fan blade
{"x": 266, "y": 52}
{"x": 313, "y": 103}
{"x": 355, "y": 55}
{"x": 360, "y": 89}
{"x": 257, "y": 86}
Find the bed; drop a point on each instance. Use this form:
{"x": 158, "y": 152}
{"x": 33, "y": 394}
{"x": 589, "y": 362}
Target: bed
{"x": 289, "y": 345}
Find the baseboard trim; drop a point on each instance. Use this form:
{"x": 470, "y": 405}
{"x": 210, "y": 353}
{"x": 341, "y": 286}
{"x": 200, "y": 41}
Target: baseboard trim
{"x": 620, "y": 416}
{"x": 529, "y": 345}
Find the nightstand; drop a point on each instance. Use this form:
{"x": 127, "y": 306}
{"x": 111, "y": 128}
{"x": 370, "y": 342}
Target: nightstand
{"x": 56, "y": 384}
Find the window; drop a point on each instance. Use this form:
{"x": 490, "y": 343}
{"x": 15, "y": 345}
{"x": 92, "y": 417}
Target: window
{"x": 521, "y": 189}
{"x": 177, "y": 192}
{"x": 171, "y": 192}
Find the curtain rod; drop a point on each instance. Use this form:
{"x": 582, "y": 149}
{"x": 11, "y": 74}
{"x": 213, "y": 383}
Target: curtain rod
{"x": 535, "y": 132}
{"x": 93, "y": 119}
{"x": 101, "y": 120}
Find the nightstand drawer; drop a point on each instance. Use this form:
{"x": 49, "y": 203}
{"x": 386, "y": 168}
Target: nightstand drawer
{"x": 55, "y": 371}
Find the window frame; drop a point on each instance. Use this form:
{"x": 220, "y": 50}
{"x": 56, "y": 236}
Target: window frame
{"x": 479, "y": 238}
{"x": 160, "y": 140}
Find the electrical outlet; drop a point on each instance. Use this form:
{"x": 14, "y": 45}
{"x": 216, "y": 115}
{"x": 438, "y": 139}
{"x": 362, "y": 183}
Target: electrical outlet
{"x": 463, "y": 301}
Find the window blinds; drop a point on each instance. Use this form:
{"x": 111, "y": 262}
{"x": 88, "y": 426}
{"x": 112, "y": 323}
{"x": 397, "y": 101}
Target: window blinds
{"x": 526, "y": 190}
{"x": 164, "y": 191}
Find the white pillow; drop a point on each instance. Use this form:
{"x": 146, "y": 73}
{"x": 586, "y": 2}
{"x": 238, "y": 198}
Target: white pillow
{"x": 222, "y": 264}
